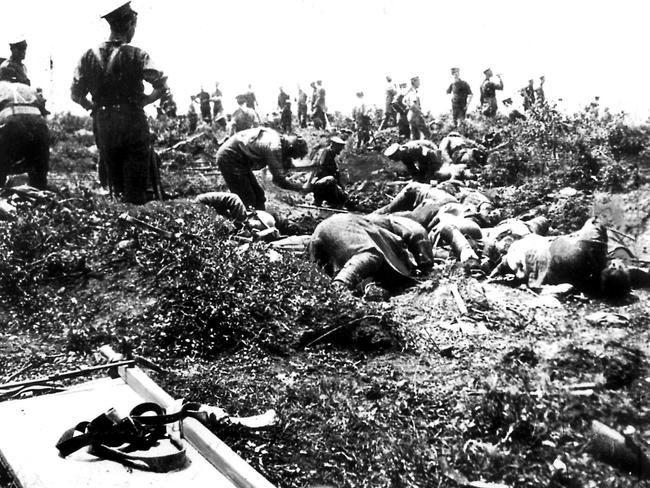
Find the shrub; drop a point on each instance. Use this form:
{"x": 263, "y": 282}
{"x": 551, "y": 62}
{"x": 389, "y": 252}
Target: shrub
{"x": 215, "y": 296}
{"x": 63, "y": 126}
{"x": 626, "y": 141}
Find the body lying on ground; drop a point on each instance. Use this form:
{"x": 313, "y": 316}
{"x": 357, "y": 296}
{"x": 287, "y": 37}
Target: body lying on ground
{"x": 413, "y": 195}
{"x": 422, "y": 202}
{"x": 461, "y": 220}
{"x": 576, "y": 258}
{"x": 449, "y": 171}
{"x": 261, "y": 224}
{"x": 352, "y": 248}
{"x": 579, "y": 259}
{"x": 456, "y": 149}
{"x": 498, "y": 239}
{"x": 421, "y": 158}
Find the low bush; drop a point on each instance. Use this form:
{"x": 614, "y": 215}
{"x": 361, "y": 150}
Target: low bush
{"x": 210, "y": 293}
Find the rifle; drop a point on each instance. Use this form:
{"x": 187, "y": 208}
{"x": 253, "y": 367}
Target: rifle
{"x": 154, "y": 163}
{"x": 325, "y": 209}
{"x": 125, "y": 217}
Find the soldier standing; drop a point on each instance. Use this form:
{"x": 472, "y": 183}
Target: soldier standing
{"x": 203, "y": 99}
{"x": 13, "y": 69}
{"x": 251, "y": 99}
{"x": 285, "y": 117}
{"x": 461, "y": 96}
{"x": 402, "y": 113}
{"x": 361, "y": 116}
{"x": 319, "y": 106}
{"x": 528, "y": 94}
{"x": 302, "y": 108}
{"x": 192, "y": 117}
{"x": 488, "y": 94}
{"x": 389, "y": 110}
{"x": 113, "y": 74}
{"x": 283, "y": 98}
{"x": 417, "y": 124}
{"x": 217, "y": 106}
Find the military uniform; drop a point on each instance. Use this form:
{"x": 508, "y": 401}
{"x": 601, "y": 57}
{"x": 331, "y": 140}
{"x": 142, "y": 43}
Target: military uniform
{"x": 361, "y": 116}
{"x": 352, "y": 248}
{"x": 415, "y": 195}
{"x": 14, "y": 71}
{"x": 243, "y": 118}
{"x": 539, "y": 95}
{"x": 217, "y": 104}
{"x": 283, "y": 98}
{"x": 319, "y": 115}
{"x": 24, "y": 135}
{"x": 286, "y": 116}
{"x": 460, "y": 91}
{"x": 326, "y": 178}
{"x": 251, "y": 99}
{"x": 488, "y": 96}
{"x": 248, "y": 151}
{"x": 417, "y": 124}
{"x": 389, "y": 110}
{"x": 302, "y": 109}
{"x": 192, "y": 119}
{"x": 578, "y": 258}
{"x": 113, "y": 73}
{"x": 421, "y": 158}
{"x": 226, "y": 204}
{"x": 528, "y": 94}
{"x": 203, "y": 98}
{"x": 403, "y": 127}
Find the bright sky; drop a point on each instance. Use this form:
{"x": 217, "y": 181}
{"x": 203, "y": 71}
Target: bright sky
{"x": 585, "y": 48}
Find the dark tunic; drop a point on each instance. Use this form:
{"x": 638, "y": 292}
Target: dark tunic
{"x": 14, "y": 71}
{"x": 459, "y": 90}
{"x": 114, "y": 75}
{"x": 351, "y": 248}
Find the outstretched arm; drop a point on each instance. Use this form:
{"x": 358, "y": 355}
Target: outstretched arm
{"x": 279, "y": 175}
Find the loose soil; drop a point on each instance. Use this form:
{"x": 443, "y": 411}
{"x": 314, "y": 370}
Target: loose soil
{"x": 489, "y": 395}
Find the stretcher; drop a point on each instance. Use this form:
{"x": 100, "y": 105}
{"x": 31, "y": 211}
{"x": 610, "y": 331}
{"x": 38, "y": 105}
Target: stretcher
{"x": 31, "y": 428}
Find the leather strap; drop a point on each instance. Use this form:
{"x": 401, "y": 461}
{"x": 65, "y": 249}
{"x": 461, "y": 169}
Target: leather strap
{"x": 117, "y": 438}
{"x": 18, "y": 110}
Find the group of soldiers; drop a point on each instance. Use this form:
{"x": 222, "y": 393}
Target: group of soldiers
{"x": 246, "y": 115}
{"x": 109, "y": 83}
{"x": 208, "y": 114}
{"x": 395, "y": 244}
{"x": 396, "y": 240}
{"x": 403, "y": 108}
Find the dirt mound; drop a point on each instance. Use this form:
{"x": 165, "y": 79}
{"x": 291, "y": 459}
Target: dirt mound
{"x": 616, "y": 366}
